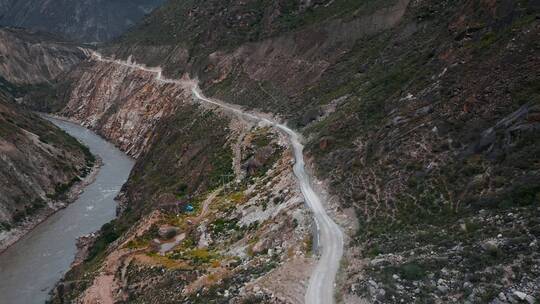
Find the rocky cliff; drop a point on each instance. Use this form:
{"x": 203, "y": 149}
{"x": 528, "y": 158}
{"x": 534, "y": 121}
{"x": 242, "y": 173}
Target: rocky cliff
{"x": 85, "y": 21}
{"x": 421, "y": 117}
{"x": 122, "y": 104}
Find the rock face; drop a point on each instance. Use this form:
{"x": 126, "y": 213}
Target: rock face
{"x": 82, "y": 20}
{"x": 120, "y": 103}
{"x": 31, "y": 57}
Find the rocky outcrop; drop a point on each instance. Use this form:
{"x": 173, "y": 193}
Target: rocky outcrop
{"x": 85, "y": 21}
{"x": 122, "y": 104}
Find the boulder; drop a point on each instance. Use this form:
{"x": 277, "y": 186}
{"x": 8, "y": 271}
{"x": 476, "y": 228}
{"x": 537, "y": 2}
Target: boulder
{"x": 524, "y": 297}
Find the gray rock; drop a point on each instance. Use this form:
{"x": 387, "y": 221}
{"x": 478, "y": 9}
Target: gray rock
{"x": 380, "y": 294}
{"x": 520, "y": 295}
{"x": 376, "y": 262}
{"x": 442, "y": 288}
{"x": 525, "y": 297}
{"x": 373, "y": 283}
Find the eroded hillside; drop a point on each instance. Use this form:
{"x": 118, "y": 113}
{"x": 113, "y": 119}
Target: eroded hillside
{"x": 211, "y": 210}
{"x": 32, "y": 63}
{"x": 421, "y": 117}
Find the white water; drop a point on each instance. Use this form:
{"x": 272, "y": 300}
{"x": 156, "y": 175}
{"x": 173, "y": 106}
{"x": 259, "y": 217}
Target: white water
{"x": 330, "y": 237}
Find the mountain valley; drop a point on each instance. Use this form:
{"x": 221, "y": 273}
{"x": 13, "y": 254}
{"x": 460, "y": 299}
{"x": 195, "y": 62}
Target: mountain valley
{"x": 419, "y": 121}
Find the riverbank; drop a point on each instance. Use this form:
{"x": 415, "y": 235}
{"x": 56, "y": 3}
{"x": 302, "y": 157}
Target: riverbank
{"x": 9, "y": 238}
{"x": 30, "y": 268}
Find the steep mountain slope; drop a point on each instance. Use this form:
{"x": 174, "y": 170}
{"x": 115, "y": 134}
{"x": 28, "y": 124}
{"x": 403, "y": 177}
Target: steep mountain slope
{"x": 39, "y": 163}
{"x": 421, "y": 117}
{"x": 31, "y": 58}
{"x": 82, "y": 20}
{"x": 31, "y": 63}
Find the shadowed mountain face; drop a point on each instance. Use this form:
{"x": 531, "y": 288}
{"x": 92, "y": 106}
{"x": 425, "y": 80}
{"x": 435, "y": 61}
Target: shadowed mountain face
{"x": 30, "y": 63}
{"x": 83, "y": 20}
{"x": 38, "y": 165}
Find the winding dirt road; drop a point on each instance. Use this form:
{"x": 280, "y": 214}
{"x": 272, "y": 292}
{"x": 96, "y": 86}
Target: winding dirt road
{"x": 330, "y": 237}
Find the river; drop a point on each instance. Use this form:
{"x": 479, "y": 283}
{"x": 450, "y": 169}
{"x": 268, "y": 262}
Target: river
{"x": 30, "y": 268}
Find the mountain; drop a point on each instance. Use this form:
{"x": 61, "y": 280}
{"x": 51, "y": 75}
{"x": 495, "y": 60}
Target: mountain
{"x": 32, "y": 62}
{"x": 38, "y": 162}
{"x": 32, "y": 57}
{"x": 82, "y": 20}
{"x": 420, "y": 122}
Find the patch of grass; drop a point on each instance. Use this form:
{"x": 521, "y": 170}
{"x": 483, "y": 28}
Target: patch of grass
{"x": 5, "y": 226}
{"x": 169, "y": 263}
{"x": 238, "y": 197}
{"x": 144, "y": 240}
{"x": 196, "y": 256}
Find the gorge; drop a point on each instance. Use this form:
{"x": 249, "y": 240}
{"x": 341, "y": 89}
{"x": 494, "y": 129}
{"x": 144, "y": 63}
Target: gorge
{"x": 285, "y": 152}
